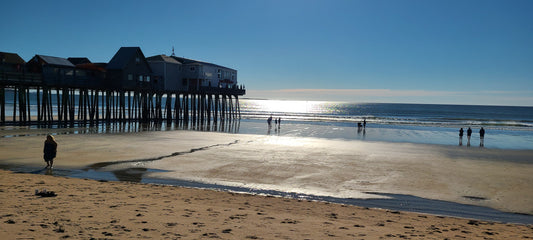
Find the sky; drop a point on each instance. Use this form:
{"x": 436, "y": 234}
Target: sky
{"x": 400, "y": 51}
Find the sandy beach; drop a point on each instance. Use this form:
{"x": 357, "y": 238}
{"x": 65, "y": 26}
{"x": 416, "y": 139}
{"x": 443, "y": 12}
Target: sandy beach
{"x": 84, "y": 209}
{"x": 89, "y": 209}
{"x": 495, "y": 178}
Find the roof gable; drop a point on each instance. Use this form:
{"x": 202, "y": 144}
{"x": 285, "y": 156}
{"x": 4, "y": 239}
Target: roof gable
{"x": 55, "y": 61}
{"x": 79, "y": 60}
{"x": 11, "y": 58}
{"x": 162, "y": 58}
{"x": 124, "y": 56}
{"x": 192, "y": 61}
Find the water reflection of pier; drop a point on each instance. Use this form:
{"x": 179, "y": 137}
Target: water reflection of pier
{"x": 228, "y": 126}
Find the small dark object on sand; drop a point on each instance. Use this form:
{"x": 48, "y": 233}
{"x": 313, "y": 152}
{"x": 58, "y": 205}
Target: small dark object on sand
{"x": 45, "y": 193}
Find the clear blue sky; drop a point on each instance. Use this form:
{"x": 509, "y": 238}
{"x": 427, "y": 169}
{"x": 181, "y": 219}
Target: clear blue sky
{"x": 423, "y": 51}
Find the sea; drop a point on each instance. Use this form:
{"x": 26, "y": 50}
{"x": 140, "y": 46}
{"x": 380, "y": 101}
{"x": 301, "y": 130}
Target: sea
{"x": 506, "y": 127}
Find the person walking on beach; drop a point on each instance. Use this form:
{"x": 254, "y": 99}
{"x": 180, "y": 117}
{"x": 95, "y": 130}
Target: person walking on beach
{"x": 269, "y": 121}
{"x": 364, "y": 123}
{"x": 481, "y": 137}
{"x": 468, "y": 135}
{"x": 461, "y": 132}
{"x": 279, "y": 122}
{"x": 50, "y": 150}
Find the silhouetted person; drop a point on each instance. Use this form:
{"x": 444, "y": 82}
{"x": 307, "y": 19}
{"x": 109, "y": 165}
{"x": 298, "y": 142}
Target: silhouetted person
{"x": 461, "y": 132}
{"x": 468, "y": 135}
{"x": 269, "y": 121}
{"x": 364, "y": 123}
{"x": 481, "y": 137}
{"x": 50, "y": 150}
{"x": 279, "y": 122}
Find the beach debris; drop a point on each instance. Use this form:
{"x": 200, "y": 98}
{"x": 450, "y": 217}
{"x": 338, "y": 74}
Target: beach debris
{"x": 45, "y": 193}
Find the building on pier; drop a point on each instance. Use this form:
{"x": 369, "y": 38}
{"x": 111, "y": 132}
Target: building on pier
{"x": 11, "y": 62}
{"x": 91, "y": 75}
{"x": 48, "y": 90}
{"x": 167, "y": 73}
{"x": 55, "y": 71}
{"x": 200, "y": 74}
{"x": 129, "y": 70}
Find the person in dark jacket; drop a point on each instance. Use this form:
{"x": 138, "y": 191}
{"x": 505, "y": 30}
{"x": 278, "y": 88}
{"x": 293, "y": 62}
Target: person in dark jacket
{"x": 461, "y": 132}
{"x": 50, "y": 150}
{"x": 482, "y": 137}
{"x": 468, "y": 135}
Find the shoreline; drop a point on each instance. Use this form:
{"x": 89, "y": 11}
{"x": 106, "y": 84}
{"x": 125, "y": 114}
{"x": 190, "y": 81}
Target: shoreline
{"x": 99, "y": 209}
{"x": 504, "y": 139}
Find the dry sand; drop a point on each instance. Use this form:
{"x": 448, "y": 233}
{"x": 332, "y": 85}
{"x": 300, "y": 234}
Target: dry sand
{"x": 88, "y": 209}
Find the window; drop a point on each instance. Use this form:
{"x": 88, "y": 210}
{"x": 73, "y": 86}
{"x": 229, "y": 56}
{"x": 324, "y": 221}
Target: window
{"x": 148, "y": 78}
{"x": 80, "y": 73}
{"x": 130, "y": 77}
{"x": 137, "y": 59}
{"x": 140, "y": 78}
{"x": 192, "y": 69}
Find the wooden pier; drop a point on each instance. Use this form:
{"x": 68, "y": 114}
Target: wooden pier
{"x": 35, "y": 103}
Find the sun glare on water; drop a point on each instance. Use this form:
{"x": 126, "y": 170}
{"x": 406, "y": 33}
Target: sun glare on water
{"x": 286, "y": 106}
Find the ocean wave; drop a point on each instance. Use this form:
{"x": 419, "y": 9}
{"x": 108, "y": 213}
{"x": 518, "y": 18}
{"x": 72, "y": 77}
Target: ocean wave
{"x": 394, "y": 120}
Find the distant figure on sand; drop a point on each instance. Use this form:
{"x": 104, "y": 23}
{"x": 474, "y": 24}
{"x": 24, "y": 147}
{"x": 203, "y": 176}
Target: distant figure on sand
{"x": 481, "y": 137}
{"x": 279, "y": 122}
{"x": 364, "y": 123}
{"x": 468, "y": 135}
{"x": 269, "y": 121}
{"x": 461, "y": 132}
{"x": 50, "y": 150}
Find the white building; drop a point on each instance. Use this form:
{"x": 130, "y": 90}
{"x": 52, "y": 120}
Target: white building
{"x": 199, "y": 74}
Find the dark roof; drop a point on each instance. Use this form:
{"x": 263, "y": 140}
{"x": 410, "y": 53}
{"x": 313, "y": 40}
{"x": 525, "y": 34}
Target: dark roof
{"x": 191, "y": 61}
{"x": 91, "y": 66}
{"x": 123, "y": 57}
{"x": 79, "y": 60}
{"x": 162, "y": 58}
{"x": 55, "y": 61}
{"x": 11, "y": 58}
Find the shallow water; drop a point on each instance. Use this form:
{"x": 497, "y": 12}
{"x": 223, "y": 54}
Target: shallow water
{"x": 500, "y": 139}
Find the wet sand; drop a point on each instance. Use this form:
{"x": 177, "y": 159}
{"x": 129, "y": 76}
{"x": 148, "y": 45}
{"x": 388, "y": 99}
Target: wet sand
{"x": 494, "y": 178}
{"x": 85, "y": 209}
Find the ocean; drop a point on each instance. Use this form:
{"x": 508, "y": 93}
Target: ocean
{"x": 507, "y": 127}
